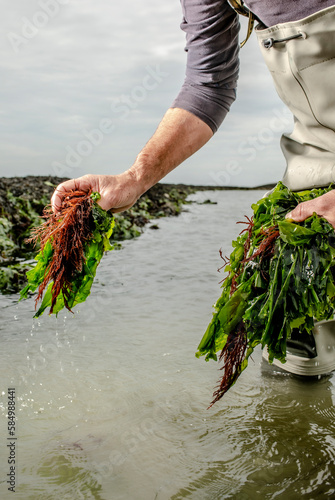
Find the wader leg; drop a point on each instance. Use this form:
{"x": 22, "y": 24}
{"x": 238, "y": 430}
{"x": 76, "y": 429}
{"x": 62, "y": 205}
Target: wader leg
{"x": 301, "y": 58}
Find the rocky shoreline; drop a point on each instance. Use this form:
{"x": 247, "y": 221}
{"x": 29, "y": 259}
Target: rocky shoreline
{"x": 22, "y": 200}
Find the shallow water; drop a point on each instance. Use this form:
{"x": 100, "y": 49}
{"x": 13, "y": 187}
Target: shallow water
{"x": 111, "y": 401}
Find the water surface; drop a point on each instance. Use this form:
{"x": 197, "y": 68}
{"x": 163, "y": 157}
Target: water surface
{"x": 111, "y": 401}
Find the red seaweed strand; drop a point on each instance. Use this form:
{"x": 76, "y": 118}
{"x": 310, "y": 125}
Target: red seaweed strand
{"x": 225, "y": 260}
{"x": 249, "y": 228}
{"x": 68, "y": 230}
{"x": 267, "y": 245}
{"x": 232, "y": 356}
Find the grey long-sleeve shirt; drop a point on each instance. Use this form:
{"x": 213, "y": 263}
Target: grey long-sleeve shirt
{"x": 212, "y": 46}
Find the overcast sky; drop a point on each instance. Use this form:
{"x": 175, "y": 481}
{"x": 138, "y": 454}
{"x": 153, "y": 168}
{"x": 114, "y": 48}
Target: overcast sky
{"x": 85, "y": 83}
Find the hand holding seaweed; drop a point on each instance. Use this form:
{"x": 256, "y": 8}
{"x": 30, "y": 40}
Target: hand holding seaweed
{"x": 73, "y": 241}
{"x": 281, "y": 277}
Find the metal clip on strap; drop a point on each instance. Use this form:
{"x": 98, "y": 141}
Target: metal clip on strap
{"x": 240, "y": 8}
{"x": 250, "y": 28}
{"x": 268, "y": 42}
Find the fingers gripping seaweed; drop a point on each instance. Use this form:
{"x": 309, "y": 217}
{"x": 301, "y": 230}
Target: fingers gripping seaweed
{"x": 73, "y": 242}
{"x": 280, "y": 279}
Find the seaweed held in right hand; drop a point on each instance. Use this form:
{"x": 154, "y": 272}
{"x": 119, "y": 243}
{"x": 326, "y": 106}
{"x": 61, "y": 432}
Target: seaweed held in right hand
{"x": 73, "y": 242}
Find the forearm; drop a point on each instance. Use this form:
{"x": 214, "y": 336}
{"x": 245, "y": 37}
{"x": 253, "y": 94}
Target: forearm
{"x": 179, "y": 135}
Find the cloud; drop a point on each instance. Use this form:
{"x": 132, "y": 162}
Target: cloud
{"x": 70, "y": 65}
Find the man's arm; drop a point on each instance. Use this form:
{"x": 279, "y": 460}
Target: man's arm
{"x": 212, "y": 46}
{"x": 179, "y": 135}
{"x": 211, "y": 28}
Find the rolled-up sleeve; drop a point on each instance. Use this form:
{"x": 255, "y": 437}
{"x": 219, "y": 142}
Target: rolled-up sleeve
{"x": 212, "y": 46}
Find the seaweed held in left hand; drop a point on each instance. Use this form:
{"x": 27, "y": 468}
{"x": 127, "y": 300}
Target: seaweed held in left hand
{"x": 73, "y": 242}
{"x": 281, "y": 278}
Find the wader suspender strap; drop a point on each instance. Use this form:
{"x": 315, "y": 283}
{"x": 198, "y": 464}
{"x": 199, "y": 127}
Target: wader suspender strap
{"x": 240, "y": 8}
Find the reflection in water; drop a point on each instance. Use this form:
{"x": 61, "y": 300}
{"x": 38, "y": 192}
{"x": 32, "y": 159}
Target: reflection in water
{"x": 296, "y": 424}
{"x": 68, "y": 471}
{"x": 282, "y": 447}
{"x": 111, "y": 401}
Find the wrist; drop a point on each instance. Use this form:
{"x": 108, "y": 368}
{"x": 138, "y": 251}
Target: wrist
{"x": 141, "y": 175}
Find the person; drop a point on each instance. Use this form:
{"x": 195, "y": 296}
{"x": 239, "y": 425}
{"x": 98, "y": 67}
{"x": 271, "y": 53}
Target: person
{"x": 211, "y": 28}
{"x": 297, "y": 42}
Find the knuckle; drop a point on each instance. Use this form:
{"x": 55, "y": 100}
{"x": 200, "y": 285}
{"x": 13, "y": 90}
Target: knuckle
{"x": 299, "y": 211}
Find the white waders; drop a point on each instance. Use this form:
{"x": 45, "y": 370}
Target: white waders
{"x": 301, "y": 58}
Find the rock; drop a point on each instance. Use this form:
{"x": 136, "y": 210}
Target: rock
{"x": 22, "y": 200}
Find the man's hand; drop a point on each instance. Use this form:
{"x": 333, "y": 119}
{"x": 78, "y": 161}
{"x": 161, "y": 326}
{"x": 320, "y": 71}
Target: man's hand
{"x": 323, "y": 205}
{"x": 177, "y": 137}
{"x": 118, "y": 192}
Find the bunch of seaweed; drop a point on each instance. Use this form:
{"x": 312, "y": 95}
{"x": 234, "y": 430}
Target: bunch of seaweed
{"x": 72, "y": 243}
{"x": 280, "y": 279}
